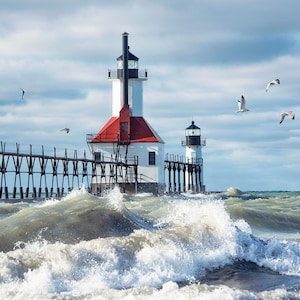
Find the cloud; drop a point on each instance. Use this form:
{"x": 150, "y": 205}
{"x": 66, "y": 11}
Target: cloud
{"x": 201, "y": 56}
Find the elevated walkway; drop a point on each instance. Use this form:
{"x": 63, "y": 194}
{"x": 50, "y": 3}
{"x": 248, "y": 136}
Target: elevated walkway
{"x": 31, "y": 174}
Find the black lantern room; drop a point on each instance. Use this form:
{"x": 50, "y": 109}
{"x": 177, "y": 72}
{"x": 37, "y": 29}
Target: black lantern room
{"x": 193, "y": 135}
{"x": 133, "y": 66}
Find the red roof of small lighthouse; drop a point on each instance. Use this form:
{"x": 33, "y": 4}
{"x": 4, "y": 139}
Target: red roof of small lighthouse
{"x": 140, "y": 131}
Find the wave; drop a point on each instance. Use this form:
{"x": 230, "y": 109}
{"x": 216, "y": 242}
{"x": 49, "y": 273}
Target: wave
{"x": 268, "y": 213}
{"x": 92, "y": 245}
{"x": 79, "y": 216}
{"x": 245, "y": 275}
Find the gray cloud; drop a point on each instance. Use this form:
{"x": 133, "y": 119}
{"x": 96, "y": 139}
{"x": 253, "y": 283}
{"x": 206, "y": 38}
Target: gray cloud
{"x": 201, "y": 57}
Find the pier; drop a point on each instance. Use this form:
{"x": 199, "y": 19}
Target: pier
{"x": 28, "y": 173}
{"x": 34, "y": 173}
{"x": 183, "y": 175}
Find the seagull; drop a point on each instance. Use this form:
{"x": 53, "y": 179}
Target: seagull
{"x": 65, "y": 129}
{"x": 275, "y": 81}
{"x": 23, "y": 92}
{"x": 242, "y": 105}
{"x": 287, "y": 113}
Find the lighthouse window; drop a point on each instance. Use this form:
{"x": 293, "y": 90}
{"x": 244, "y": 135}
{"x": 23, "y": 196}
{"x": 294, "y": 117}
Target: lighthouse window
{"x": 151, "y": 158}
{"x": 97, "y": 156}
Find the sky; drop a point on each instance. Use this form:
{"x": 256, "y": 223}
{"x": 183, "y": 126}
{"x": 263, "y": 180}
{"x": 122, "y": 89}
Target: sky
{"x": 201, "y": 56}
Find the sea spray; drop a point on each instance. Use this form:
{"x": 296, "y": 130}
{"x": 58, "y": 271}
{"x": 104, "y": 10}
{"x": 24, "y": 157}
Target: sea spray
{"x": 115, "y": 198}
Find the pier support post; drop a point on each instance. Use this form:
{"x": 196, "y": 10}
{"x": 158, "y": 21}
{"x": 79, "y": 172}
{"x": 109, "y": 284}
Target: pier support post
{"x": 14, "y": 192}
{"x": 46, "y": 192}
{"x": 21, "y": 192}
{"x": 6, "y": 192}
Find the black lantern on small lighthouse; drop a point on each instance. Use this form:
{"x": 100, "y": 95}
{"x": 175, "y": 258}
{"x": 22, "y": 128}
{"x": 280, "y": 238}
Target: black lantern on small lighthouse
{"x": 193, "y": 135}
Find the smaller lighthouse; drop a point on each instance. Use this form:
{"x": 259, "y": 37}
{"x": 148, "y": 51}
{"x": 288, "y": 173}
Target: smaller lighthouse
{"x": 193, "y": 153}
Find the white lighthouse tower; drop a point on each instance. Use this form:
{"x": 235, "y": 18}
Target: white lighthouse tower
{"x": 127, "y": 136}
{"x": 193, "y": 153}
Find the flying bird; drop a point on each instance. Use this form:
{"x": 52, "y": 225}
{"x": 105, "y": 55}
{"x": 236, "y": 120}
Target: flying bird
{"x": 287, "y": 113}
{"x": 273, "y": 82}
{"x": 242, "y": 105}
{"x": 23, "y": 93}
{"x": 65, "y": 129}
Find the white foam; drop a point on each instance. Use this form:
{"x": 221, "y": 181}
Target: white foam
{"x": 115, "y": 198}
{"x": 199, "y": 236}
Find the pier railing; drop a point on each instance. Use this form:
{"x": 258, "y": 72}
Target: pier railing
{"x": 39, "y": 173}
{"x": 28, "y": 173}
{"x": 183, "y": 175}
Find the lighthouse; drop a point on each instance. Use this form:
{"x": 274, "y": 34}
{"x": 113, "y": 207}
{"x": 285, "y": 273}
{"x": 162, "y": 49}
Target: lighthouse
{"x": 127, "y": 144}
{"x": 193, "y": 153}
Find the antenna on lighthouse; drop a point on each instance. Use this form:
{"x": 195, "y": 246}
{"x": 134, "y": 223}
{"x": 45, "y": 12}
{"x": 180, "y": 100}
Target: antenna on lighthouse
{"x": 125, "y": 68}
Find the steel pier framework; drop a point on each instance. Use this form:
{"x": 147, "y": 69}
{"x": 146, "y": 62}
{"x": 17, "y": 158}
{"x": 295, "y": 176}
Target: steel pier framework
{"x": 24, "y": 174}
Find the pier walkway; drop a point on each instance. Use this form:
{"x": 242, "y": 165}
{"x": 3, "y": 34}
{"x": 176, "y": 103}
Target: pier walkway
{"x": 28, "y": 173}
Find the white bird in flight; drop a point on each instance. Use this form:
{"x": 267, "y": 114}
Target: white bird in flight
{"x": 273, "y": 82}
{"x": 65, "y": 129}
{"x": 287, "y": 113}
{"x": 242, "y": 105}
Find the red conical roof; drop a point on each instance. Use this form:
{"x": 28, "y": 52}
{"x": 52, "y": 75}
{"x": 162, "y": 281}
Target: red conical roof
{"x": 140, "y": 131}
